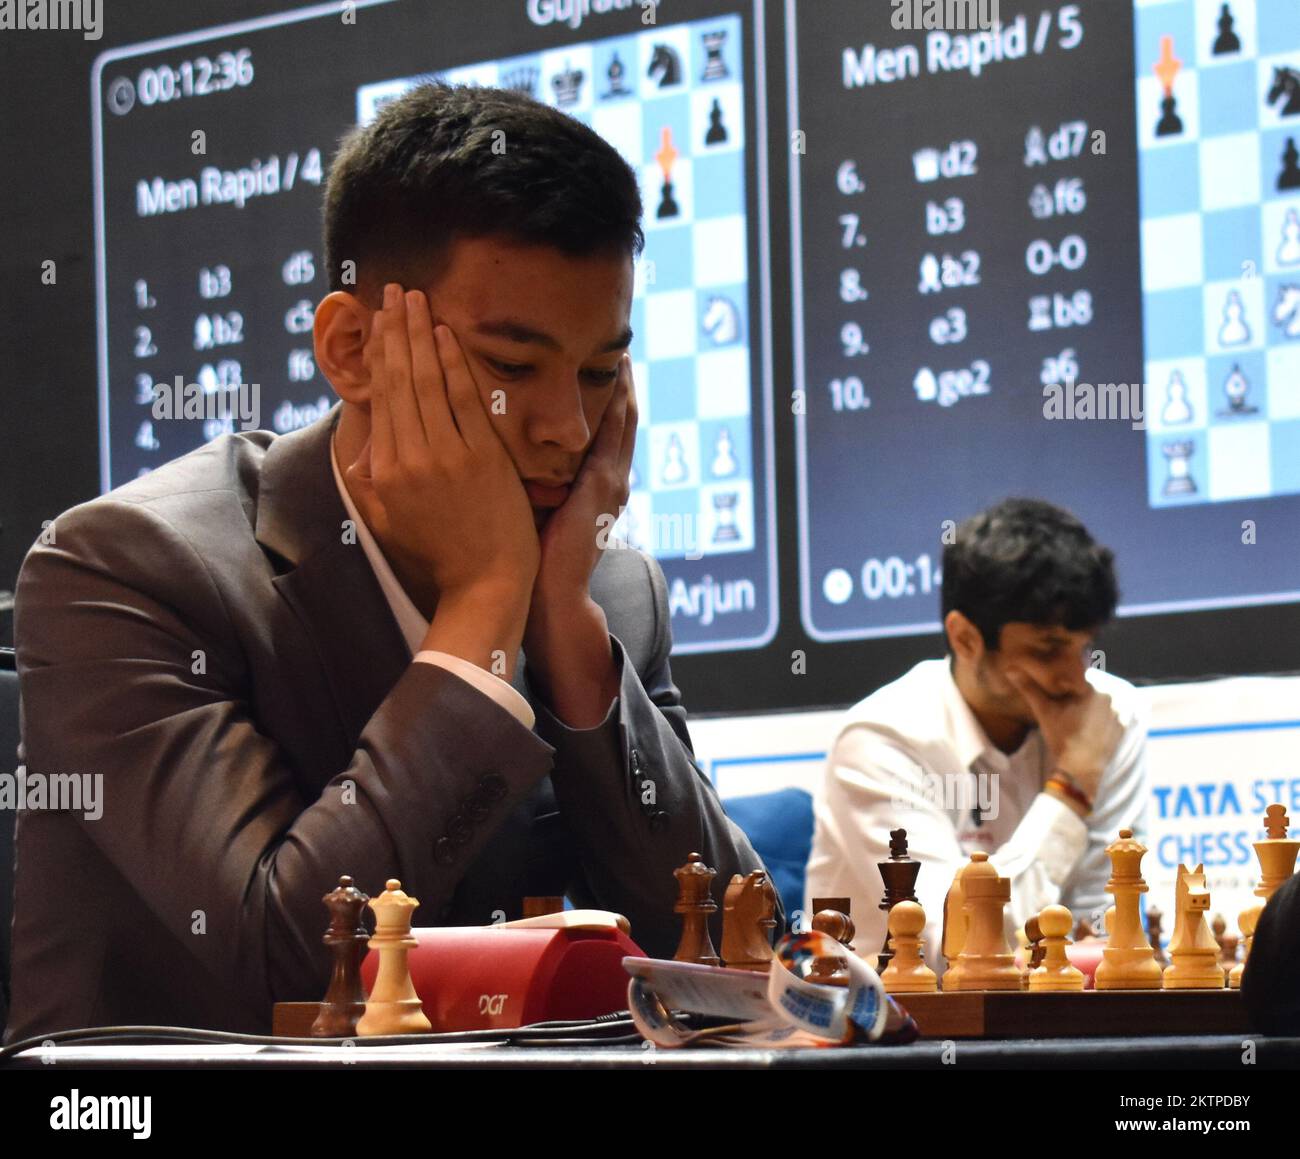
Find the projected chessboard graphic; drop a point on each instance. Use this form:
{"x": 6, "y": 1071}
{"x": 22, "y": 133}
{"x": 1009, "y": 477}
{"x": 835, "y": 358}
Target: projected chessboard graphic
{"x": 670, "y": 99}
{"x": 1218, "y": 106}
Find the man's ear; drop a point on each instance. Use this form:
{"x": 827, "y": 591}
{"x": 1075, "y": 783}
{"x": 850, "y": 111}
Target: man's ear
{"x": 340, "y": 332}
{"x": 963, "y": 637}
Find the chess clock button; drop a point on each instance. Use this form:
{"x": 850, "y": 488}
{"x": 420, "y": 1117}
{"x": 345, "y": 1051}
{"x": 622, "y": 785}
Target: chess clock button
{"x": 444, "y": 852}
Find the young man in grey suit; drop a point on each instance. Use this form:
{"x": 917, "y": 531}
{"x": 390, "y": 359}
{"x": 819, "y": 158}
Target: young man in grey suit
{"x": 395, "y": 643}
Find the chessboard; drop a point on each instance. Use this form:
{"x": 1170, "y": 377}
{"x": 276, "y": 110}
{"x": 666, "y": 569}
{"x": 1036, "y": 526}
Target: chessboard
{"x": 1218, "y": 107}
{"x": 1086, "y": 1014}
{"x": 670, "y": 99}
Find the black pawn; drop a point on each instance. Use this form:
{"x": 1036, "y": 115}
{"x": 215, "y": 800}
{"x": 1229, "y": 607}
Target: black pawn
{"x": 717, "y": 133}
{"x": 1227, "y": 41}
{"x": 668, "y": 206}
{"x": 1171, "y": 123}
{"x": 899, "y": 875}
{"x": 1289, "y": 178}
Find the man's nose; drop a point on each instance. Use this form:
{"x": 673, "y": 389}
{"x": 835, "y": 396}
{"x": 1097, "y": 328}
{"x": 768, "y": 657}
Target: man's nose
{"x": 556, "y": 417}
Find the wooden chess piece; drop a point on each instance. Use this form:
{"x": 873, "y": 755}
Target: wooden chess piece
{"x": 841, "y": 905}
{"x": 747, "y": 922}
{"x": 1154, "y": 930}
{"x": 899, "y": 875}
{"x": 1055, "y": 972}
{"x": 837, "y": 925}
{"x": 1228, "y": 950}
{"x": 986, "y": 960}
{"x": 1128, "y": 962}
{"x": 540, "y": 907}
{"x": 393, "y": 1006}
{"x": 907, "y": 972}
{"x": 1277, "y": 858}
{"x": 1219, "y": 928}
{"x": 1277, "y": 854}
{"x": 1193, "y": 952}
{"x": 954, "y": 930}
{"x": 1247, "y": 920}
{"x": 695, "y": 903}
{"x": 1033, "y": 947}
{"x": 345, "y": 1000}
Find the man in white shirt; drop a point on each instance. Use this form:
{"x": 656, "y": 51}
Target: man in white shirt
{"x": 1016, "y": 743}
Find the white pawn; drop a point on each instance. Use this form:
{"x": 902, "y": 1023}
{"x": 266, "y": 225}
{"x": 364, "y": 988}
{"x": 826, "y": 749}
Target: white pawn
{"x": 1177, "y": 409}
{"x": 724, "y": 461}
{"x": 1234, "y": 331}
{"x": 1056, "y": 972}
{"x": 674, "y": 461}
{"x": 907, "y": 972}
{"x": 1288, "y": 253}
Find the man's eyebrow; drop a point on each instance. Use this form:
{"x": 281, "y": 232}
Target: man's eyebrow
{"x": 514, "y": 331}
{"x": 1053, "y": 636}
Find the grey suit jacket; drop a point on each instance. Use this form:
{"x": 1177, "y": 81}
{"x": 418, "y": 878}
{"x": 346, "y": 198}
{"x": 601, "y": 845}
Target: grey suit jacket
{"x": 207, "y": 641}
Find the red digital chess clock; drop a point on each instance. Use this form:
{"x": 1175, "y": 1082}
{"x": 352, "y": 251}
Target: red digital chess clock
{"x": 478, "y": 978}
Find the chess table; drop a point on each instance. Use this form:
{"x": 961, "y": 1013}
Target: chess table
{"x": 1190, "y": 1052}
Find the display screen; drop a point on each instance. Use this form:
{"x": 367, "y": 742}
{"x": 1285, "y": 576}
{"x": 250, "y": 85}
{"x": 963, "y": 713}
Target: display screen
{"x": 1058, "y": 256}
{"x": 1059, "y": 259}
{"x": 210, "y": 264}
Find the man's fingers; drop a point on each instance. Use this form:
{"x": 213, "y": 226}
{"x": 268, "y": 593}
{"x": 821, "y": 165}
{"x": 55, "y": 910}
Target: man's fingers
{"x": 630, "y": 417}
{"x": 1023, "y": 683}
{"x": 402, "y": 406}
{"x": 384, "y": 450}
{"x": 462, "y": 393}
{"x": 426, "y": 371}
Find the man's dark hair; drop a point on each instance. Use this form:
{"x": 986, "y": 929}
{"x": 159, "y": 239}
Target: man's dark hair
{"x": 443, "y": 162}
{"x": 1027, "y": 560}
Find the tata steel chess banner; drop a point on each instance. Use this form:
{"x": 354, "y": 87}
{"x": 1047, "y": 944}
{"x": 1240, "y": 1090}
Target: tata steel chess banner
{"x": 1220, "y": 753}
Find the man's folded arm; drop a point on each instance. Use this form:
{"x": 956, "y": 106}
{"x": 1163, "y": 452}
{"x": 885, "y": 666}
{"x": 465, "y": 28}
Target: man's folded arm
{"x": 637, "y": 802}
{"x": 131, "y": 668}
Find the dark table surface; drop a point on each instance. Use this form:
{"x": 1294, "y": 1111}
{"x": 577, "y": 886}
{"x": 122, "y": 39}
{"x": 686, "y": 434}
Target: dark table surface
{"x": 1192, "y": 1052}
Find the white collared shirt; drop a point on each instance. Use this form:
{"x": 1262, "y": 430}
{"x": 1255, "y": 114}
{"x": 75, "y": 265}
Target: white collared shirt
{"x": 414, "y": 626}
{"x": 913, "y": 756}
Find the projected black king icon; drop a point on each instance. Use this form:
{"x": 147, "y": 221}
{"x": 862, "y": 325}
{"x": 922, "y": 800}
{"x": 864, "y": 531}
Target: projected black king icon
{"x": 567, "y": 85}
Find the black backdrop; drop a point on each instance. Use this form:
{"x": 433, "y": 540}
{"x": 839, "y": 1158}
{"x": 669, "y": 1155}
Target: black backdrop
{"x": 50, "y": 461}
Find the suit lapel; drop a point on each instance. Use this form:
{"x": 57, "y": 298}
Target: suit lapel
{"x": 327, "y": 581}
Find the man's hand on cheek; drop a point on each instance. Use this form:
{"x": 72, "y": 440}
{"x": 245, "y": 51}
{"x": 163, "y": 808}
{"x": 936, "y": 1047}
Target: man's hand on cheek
{"x": 454, "y": 512}
{"x": 567, "y": 638}
{"x": 571, "y": 535}
{"x": 1081, "y": 731}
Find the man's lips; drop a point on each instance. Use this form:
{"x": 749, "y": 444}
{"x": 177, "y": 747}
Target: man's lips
{"x": 546, "y": 494}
